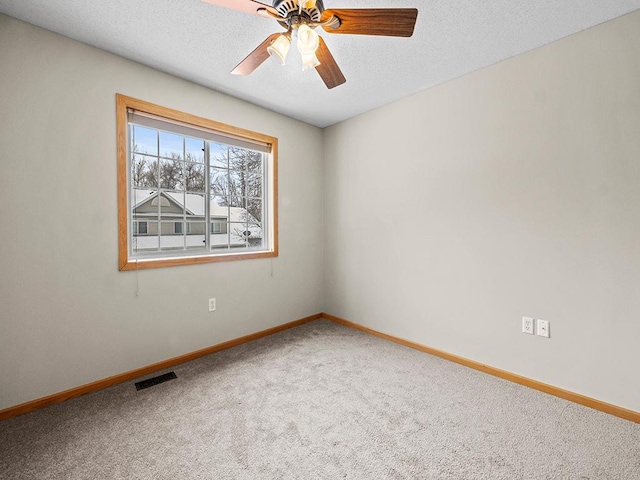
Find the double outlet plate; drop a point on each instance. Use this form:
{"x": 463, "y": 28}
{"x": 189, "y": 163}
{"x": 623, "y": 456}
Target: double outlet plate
{"x": 531, "y": 325}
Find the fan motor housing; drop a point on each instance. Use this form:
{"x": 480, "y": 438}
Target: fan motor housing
{"x": 288, "y": 7}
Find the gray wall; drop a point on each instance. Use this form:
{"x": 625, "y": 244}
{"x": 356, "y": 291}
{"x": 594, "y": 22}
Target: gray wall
{"x": 68, "y": 316}
{"x": 513, "y": 191}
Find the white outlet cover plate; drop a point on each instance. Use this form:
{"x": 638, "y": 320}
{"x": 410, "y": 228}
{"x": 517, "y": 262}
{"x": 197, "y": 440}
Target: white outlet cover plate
{"x": 527, "y": 325}
{"x": 542, "y": 329}
{"x": 212, "y": 304}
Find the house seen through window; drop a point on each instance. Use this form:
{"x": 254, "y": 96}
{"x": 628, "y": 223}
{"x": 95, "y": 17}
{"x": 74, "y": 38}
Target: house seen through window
{"x": 195, "y": 191}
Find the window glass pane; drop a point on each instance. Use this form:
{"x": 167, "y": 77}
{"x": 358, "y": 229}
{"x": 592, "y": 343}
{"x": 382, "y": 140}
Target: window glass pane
{"x": 239, "y": 235}
{"x": 241, "y": 159}
{"x": 195, "y": 204}
{"x": 196, "y": 232}
{"x": 184, "y": 175}
{"x": 144, "y": 171}
{"x": 254, "y": 210}
{"x": 232, "y": 185}
{"x": 145, "y": 242}
{"x": 166, "y": 228}
{"x": 219, "y": 242}
{"x": 218, "y": 155}
{"x": 219, "y": 179}
{"x": 255, "y": 236}
{"x": 171, "y": 175}
{"x": 194, "y": 177}
{"x": 238, "y": 214}
{"x": 235, "y": 182}
{"x": 254, "y": 185}
{"x": 235, "y": 201}
{"x": 194, "y": 149}
{"x": 177, "y": 228}
{"x": 144, "y": 140}
{"x": 168, "y": 239}
{"x": 171, "y": 205}
{"x": 171, "y": 145}
{"x": 256, "y": 165}
{"x": 142, "y": 202}
{"x": 228, "y": 184}
{"x": 219, "y": 206}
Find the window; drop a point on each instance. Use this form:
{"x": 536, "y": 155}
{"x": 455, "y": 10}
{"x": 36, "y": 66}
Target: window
{"x": 178, "y": 173}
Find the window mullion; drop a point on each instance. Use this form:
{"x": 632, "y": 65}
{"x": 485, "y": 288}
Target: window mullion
{"x": 229, "y": 224}
{"x": 207, "y": 199}
{"x": 244, "y": 201}
{"x": 185, "y": 227}
{"x": 132, "y": 241}
{"x": 265, "y": 213}
{"x": 158, "y": 221}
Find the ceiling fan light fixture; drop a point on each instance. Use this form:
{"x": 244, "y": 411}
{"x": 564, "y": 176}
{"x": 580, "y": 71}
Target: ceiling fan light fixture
{"x": 304, "y": 17}
{"x": 279, "y": 48}
{"x": 308, "y": 40}
{"x": 309, "y": 60}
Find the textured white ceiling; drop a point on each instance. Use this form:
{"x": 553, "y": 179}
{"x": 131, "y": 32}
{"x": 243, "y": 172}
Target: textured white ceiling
{"x": 203, "y": 43}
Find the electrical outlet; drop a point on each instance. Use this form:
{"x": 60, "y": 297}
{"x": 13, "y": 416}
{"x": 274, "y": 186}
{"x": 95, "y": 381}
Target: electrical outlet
{"x": 527, "y": 325}
{"x": 212, "y": 304}
{"x": 543, "y": 328}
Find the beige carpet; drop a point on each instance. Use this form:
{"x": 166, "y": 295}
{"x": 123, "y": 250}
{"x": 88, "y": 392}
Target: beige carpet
{"x": 320, "y": 401}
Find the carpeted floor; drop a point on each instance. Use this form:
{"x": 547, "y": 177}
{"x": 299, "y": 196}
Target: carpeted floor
{"x": 320, "y": 401}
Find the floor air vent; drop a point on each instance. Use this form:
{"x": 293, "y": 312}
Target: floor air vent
{"x": 150, "y": 382}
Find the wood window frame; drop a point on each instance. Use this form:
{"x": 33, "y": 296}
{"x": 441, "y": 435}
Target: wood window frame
{"x": 123, "y": 104}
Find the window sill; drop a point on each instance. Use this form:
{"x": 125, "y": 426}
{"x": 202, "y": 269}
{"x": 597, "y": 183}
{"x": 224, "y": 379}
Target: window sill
{"x": 144, "y": 263}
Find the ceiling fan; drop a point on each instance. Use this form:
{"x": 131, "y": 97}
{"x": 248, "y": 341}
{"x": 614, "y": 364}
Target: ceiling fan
{"x": 302, "y": 17}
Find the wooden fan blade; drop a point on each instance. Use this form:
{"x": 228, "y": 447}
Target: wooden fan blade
{"x": 392, "y": 22}
{"x": 328, "y": 68}
{"x": 246, "y": 6}
{"x": 255, "y": 58}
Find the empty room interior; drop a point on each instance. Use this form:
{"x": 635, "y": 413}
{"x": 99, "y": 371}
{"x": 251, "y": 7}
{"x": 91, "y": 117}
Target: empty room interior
{"x": 420, "y": 260}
